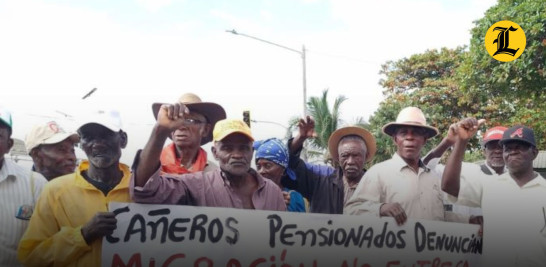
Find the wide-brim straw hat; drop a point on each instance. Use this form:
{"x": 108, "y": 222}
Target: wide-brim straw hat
{"x": 338, "y": 134}
{"x": 410, "y": 116}
{"x": 212, "y": 111}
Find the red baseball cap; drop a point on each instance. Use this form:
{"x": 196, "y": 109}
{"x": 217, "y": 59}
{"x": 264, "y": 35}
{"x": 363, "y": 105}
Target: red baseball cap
{"x": 493, "y": 134}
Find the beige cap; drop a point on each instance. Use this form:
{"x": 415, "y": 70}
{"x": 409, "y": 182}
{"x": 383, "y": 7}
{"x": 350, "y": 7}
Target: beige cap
{"x": 50, "y": 133}
{"x": 410, "y": 116}
{"x": 226, "y": 127}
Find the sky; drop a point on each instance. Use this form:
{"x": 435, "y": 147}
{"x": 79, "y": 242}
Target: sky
{"x": 137, "y": 52}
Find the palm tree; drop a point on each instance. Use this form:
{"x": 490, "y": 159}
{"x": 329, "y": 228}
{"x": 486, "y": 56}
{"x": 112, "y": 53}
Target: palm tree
{"x": 326, "y": 122}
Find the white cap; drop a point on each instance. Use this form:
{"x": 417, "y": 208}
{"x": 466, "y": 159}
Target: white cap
{"x": 5, "y": 117}
{"x": 109, "y": 119}
{"x": 49, "y": 133}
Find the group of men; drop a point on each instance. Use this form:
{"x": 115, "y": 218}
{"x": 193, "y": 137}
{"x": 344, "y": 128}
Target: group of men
{"x": 67, "y": 221}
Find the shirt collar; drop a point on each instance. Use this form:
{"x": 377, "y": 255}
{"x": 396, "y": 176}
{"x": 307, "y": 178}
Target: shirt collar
{"x": 537, "y": 181}
{"x": 340, "y": 179}
{"x": 82, "y": 182}
{"x": 346, "y": 184}
{"x": 399, "y": 163}
{"x": 260, "y": 179}
{"x": 504, "y": 170}
{"x": 7, "y": 171}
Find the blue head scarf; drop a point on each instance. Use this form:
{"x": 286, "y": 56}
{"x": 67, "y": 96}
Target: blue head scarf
{"x": 274, "y": 150}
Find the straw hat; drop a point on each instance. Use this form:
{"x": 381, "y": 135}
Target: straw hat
{"x": 337, "y": 135}
{"x": 212, "y": 111}
{"x": 410, "y": 116}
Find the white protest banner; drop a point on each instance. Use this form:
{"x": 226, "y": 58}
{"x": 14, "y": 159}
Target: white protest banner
{"x": 169, "y": 235}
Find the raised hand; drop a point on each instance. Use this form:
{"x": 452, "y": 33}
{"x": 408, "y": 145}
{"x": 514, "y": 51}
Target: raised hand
{"x": 467, "y": 128}
{"x": 102, "y": 224}
{"x": 306, "y": 127}
{"x": 394, "y": 210}
{"x": 171, "y": 116}
{"x": 452, "y": 132}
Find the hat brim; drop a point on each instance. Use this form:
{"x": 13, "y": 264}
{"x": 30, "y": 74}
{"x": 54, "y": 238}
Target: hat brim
{"x": 336, "y": 136}
{"x": 60, "y": 137}
{"x": 5, "y": 123}
{"x": 108, "y": 126}
{"x": 55, "y": 139}
{"x": 212, "y": 111}
{"x": 503, "y": 141}
{"x": 389, "y": 128}
{"x": 484, "y": 143}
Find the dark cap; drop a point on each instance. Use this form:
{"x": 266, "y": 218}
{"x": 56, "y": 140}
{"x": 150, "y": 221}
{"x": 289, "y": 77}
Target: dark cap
{"x": 519, "y": 133}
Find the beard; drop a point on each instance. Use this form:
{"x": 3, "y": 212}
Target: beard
{"x": 496, "y": 163}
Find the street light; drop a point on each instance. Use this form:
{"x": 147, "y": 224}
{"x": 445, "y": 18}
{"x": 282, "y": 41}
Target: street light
{"x": 301, "y": 53}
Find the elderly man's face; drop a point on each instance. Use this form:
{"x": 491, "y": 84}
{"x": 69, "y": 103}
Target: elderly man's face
{"x": 519, "y": 156}
{"x": 409, "y": 141}
{"x": 493, "y": 154}
{"x": 101, "y": 145}
{"x": 352, "y": 157}
{"x": 56, "y": 159}
{"x": 189, "y": 135}
{"x": 234, "y": 154}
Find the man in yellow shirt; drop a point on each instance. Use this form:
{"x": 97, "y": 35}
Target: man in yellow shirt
{"x": 71, "y": 215}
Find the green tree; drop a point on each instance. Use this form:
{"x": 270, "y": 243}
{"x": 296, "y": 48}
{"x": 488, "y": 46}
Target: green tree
{"x": 451, "y": 84}
{"x": 427, "y": 81}
{"x": 509, "y": 92}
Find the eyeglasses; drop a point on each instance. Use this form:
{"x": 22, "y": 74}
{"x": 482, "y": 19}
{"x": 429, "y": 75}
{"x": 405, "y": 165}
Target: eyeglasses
{"x": 192, "y": 122}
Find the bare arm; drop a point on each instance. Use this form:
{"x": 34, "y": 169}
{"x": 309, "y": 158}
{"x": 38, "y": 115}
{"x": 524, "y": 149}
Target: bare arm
{"x": 306, "y": 128}
{"x": 169, "y": 118}
{"x": 439, "y": 150}
{"x": 463, "y": 130}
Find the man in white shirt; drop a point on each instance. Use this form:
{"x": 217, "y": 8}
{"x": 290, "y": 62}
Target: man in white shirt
{"x": 403, "y": 186}
{"x": 19, "y": 190}
{"x": 493, "y": 166}
{"x": 513, "y": 205}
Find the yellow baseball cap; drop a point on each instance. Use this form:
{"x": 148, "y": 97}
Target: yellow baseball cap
{"x": 48, "y": 133}
{"x": 226, "y": 127}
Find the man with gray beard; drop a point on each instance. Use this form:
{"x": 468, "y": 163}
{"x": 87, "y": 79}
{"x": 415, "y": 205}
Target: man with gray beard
{"x": 494, "y": 163}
